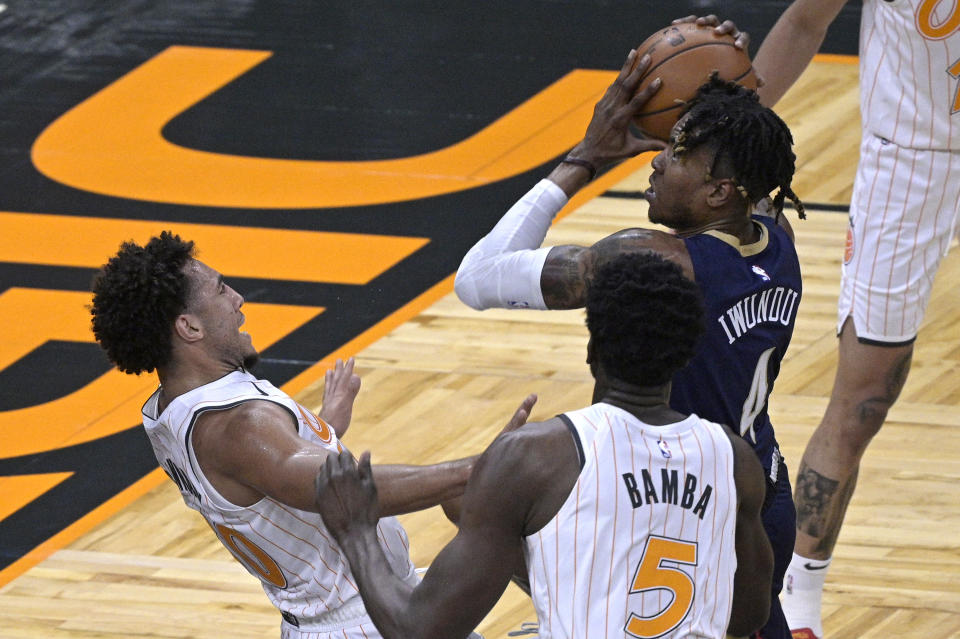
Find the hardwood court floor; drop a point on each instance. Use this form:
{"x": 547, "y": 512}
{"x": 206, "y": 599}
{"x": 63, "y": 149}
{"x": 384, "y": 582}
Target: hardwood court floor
{"x": 440, "y": 386}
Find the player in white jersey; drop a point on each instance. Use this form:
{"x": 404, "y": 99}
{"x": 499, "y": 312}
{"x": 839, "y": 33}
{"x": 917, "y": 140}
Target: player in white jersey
{"x": 904, "y": 210}
{"x": 633, "y": 520}
{"x": 242, "y": 452}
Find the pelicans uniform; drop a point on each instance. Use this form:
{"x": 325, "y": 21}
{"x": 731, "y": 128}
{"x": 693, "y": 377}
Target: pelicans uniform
{"x": 906, "y": 197}
{"x": 301, "y": 568}
{"x": 644, "y": 545}
{"x": 751, "y": 295}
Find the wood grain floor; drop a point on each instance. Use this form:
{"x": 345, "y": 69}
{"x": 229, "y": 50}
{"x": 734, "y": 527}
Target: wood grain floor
{"x": 441, "y": 385}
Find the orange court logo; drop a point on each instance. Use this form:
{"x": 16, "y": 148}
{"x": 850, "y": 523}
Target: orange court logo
{"x": 330, "y": 255}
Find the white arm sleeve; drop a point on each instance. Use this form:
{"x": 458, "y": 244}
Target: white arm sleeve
{"x": 503, "y": 269}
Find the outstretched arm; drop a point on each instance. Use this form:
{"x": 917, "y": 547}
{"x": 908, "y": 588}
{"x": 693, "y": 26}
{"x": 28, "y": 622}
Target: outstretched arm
{"x": 253, "y": 450}
{"x": 503, "y": 269}
{"x": 470, "y": 573}
{"x": 791, "y": 44}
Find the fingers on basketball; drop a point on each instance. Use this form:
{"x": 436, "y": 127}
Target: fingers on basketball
{"x": 683, "y": 56}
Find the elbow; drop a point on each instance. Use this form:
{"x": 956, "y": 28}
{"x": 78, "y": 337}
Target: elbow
{"x": 466, "y": 289}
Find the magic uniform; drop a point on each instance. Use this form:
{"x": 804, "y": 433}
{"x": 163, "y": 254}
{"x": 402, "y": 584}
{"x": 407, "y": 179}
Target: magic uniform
{"x": 301, "y": 568}
{"x": 644, "y": 545}
{"x": 751, "y": 295}
{"x": 906, "y": 197}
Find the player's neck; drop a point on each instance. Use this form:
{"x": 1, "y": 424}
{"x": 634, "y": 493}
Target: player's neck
{"x": 182, "y": 377}
{"x": 736, "y": 223}
{"x": 650, "y": 404}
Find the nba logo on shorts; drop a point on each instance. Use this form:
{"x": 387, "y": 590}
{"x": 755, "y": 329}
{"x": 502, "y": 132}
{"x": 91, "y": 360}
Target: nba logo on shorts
{"x": 849, "y": 248}
{"x": 664, "y": 449}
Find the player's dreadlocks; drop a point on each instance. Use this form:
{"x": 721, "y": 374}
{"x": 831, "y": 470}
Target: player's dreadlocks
{"x": 752, "y": 138}
{"x": 644, "y": 317}
{"x": 136, "y": 297}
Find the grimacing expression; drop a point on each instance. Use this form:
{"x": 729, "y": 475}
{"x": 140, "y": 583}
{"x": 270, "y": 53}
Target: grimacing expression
{"x": 217, "y": 306}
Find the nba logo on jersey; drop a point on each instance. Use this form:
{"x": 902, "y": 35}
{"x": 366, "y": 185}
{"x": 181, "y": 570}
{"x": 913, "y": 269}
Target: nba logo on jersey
{"x": 664, "y": 449}
{"x": 762, "y": 273}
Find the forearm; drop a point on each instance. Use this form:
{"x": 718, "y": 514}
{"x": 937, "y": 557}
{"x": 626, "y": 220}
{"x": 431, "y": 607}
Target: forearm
{"x": 791, "y": 44}
{"x": 404, "y": 489}
{"x": 388, "y": 603}
{"x": 502, "y": 270}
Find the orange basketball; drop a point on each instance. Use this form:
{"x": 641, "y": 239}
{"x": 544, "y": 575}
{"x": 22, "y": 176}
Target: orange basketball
{"x": 683, "y": 56}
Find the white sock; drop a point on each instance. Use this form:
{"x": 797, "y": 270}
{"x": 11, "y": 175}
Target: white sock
{"x": 803, "y": 592}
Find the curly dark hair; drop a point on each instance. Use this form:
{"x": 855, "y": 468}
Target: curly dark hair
{"x": 136, "y": 296}
{"x": 644, "y": 317}
{"x": 750, "y": 137}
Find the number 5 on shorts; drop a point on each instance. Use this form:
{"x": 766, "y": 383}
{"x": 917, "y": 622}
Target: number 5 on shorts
{"x": 655, "y": 573}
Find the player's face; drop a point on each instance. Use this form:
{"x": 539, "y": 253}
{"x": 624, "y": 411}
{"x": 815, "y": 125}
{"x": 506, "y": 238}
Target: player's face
{"x": 678, "y": 186}
{"x": 217, "y": 306}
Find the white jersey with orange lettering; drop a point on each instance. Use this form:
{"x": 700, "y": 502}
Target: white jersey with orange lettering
{"x": 644, "y": 545}
{"x": 910, "y": 72}
{"x": 301, "y": 568}
{"x": 906, "y": 196}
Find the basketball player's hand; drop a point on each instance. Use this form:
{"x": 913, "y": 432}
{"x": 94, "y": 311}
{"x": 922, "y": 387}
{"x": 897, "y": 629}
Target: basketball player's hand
{"x": 520, "y": 415}
{"x": 608, "y": 138}
{"x": 741, "y": 39}
{"x": 340, "y": 388}
{"x": 727, "y": 27}
{"x": 346, "y": 496}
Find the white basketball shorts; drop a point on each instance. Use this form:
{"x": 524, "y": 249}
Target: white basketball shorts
{"x": 902, "y": 217}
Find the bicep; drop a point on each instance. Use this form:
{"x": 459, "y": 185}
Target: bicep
{"x": 568, "y": 269}
{"x": 259, "y": 448}
{"x": 565, "y": 275}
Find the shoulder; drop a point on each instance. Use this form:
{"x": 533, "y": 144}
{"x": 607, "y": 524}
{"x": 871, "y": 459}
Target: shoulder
{"x": 637, "y": 240}
{"x": 252, "y": 418}
{"x": 524, "y": 462}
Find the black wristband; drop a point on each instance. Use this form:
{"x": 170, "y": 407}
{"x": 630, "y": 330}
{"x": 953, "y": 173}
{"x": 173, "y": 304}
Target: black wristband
{"x": 581, "y": 162}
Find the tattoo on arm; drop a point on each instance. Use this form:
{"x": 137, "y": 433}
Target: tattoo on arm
{"x": 565, "y": 276}
{"x": 568, "y": 269}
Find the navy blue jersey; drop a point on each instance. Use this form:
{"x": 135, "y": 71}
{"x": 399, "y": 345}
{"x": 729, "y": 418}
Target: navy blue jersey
{"x": 751, "y": 294}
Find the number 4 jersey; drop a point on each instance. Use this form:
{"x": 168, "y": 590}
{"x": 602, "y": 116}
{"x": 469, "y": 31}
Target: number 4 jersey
{"x": 300, "y": 566}
{"x": 751, "y": 293}
{"x": 644, "y": 545}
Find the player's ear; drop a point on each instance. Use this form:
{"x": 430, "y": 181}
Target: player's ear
{"x": 188, "y": 327}
{"x": 722, "y": 192}
{"x": 591, "y": 357}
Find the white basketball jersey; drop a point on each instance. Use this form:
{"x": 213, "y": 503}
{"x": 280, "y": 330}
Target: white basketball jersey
{"x": 910, "y": 72}
{"x": 644, "y": 545}
{"x": 302, "y": 569}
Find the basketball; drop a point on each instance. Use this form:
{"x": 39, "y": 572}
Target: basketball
{"x": 683, "y": 56}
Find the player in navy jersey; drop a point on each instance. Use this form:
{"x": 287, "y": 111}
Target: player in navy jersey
{"x": 726, "y": 156}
